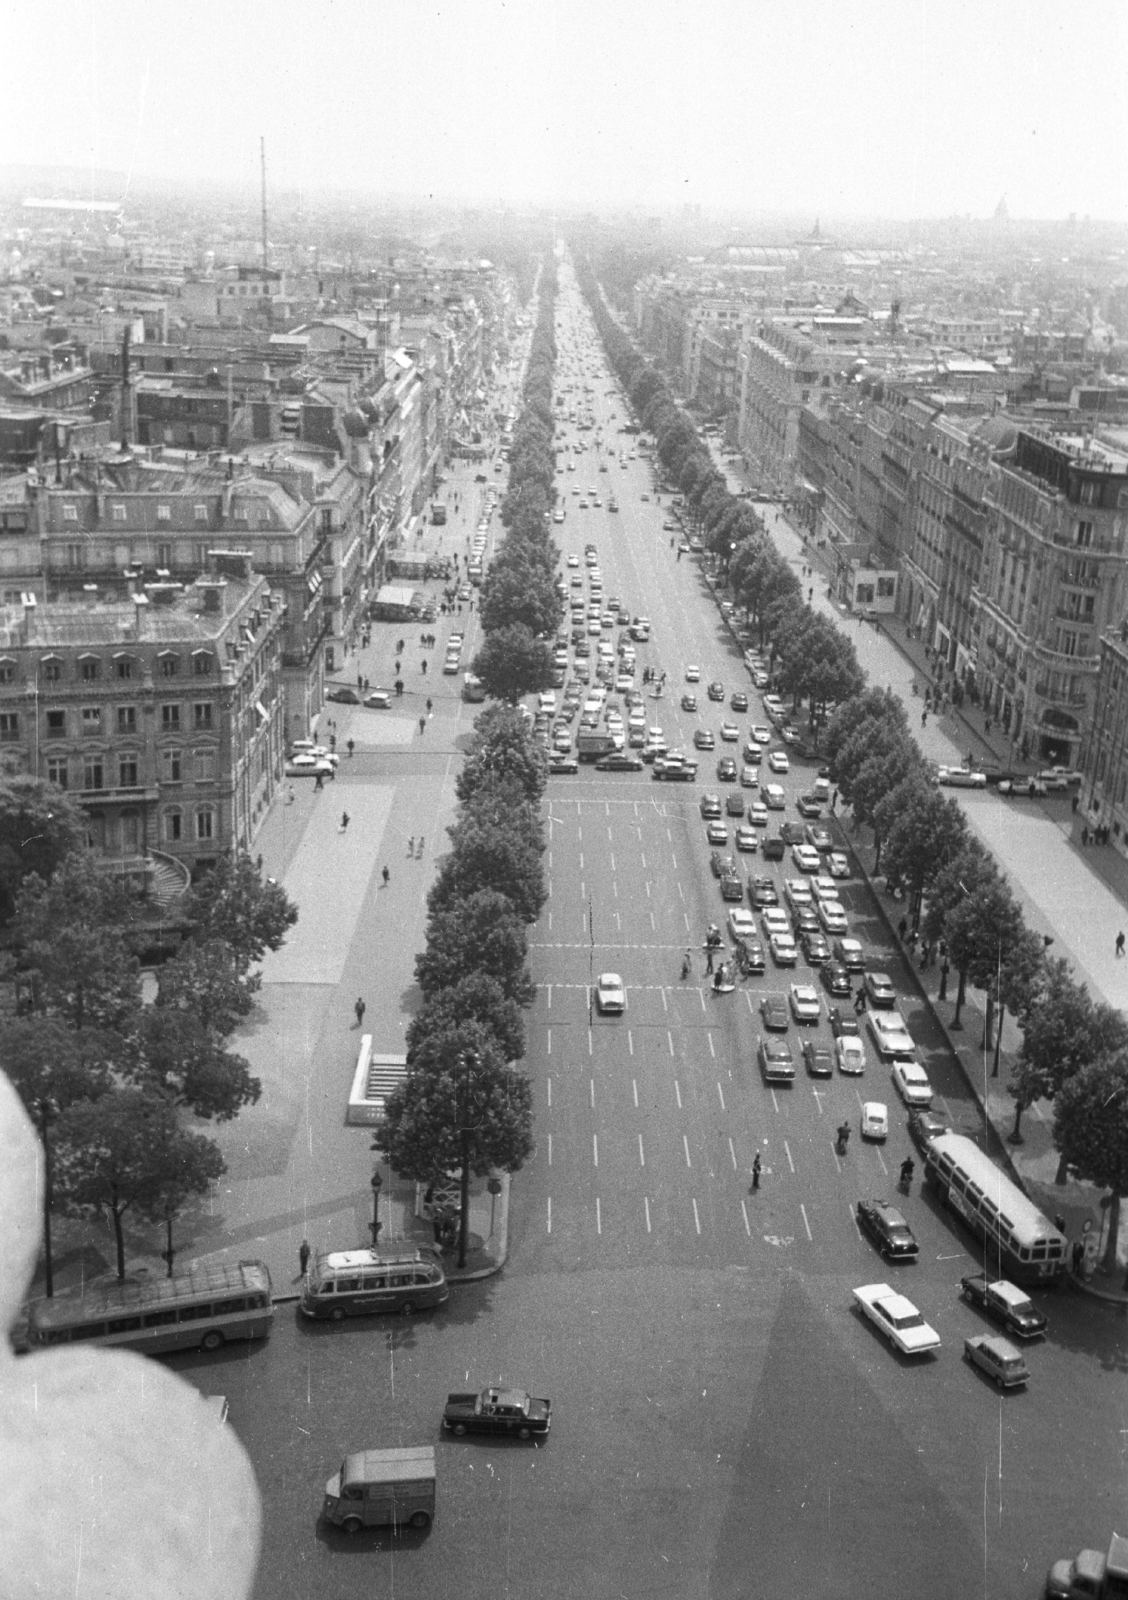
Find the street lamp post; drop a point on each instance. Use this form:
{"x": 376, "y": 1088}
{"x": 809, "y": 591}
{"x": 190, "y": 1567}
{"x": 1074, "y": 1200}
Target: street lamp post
{"x": 375, "y": 1224}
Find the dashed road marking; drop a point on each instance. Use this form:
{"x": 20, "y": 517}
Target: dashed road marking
{"x": 721, "y": 1096}
{"x": 806, "y": 1224}
{"x": 685, "y": 1147}
{"x": 696, "y": 1218}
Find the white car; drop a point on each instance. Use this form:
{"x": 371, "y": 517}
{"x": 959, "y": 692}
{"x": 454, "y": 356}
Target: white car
{"x": 742, "y": 924}
{"x": 693, "y": 674}
{"x": 837, "y": 864}
{"x": 610, "y": 999}
{"x": 806, "y": 858}
{"x": 775, "y": 920}
{"x": 961, "y": 778}
{"x": 758, "y": 814}
{"x": 897, "y": 1318}
{"x": 875, "y": 1120}
{"x": 730, "y": 733}
{"x": 307, "y": 766}
{"x": 804, "y": 1002}
{"x": 774, "y": 797}
{"x": 832, "y": 916}
{"x": 824, "y": 888}
{"x": 893, "y": 1040}
{"x": 912, "y": 1083}
{"x": 762, "y": 735}
{"x": 306, "y": 747}
{"x": 782, "y": 946}
{"x": 850, "y": 1054}
{"x": 573, "y": 560}
{"x": 778, "y": 762}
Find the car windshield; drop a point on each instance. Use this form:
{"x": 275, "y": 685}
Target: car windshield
{"x": 908, "y": 1320}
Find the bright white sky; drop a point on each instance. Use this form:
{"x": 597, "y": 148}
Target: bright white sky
{"x": 896, "y": 108}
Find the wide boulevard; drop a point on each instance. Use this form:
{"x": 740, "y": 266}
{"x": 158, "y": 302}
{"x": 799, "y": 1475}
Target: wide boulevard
{"x": 724, "y": 1423}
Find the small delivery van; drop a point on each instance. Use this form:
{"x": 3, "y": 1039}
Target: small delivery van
{"x": 382, "y": 1488}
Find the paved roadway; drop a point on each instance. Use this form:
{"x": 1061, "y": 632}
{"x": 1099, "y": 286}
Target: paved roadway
{"x": 725, "y": 1426}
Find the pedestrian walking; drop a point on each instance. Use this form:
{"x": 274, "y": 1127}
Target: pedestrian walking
{"x": 834, "y": 801}
{"x": 419, "y": 848}
{"x": 756, "y": 1170}
{"x": 944, "y": 970}
{"x": 411, "y": 847}
{"x": 319, "y": 781}
{"x": 718, "y": 978}
{"x": 1120, "y": 943}
{"x": 290, "y": 796}
{"x": 709, "y": 953}
{"x": 428, "y": 708}
{"x": 351, "y": 746}
{"x": 859, "y": 1002}
{"x": 1084, "y": 834}
{"x": 422, "y": 724}
{"x": 360, "y": 1009}
{"x": 303, "y": 1257}
{"x": 399, "y": 685}
{"x": 386, "y": 875}
{"x": 902, "y": 928}
{"x": 344, "y": 821}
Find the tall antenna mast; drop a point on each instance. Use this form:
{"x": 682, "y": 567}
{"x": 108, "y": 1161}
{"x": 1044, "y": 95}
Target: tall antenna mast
{"x": 265, "y": 249}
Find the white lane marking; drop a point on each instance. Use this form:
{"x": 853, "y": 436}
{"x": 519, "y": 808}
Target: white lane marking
{"x": 721, "y": 1096}
{"x": 634, "y": 1091}
{"x": 744, "y": 1214}
{"x": 549, "y": 1034}
{"x": 548, "y": 987}
{"x": 677, "y": 1091}
{"x": 615, "y": 887}
{"x": 550, "y": 913}
{"x": 787, "y": 1153}
{"x": 550, "y": 1149}
{"x": 881, "y": 1162}
{"x": 598, "y": 1216}
{"x": 674, "y": 859}
{"x": 685, "y": 1147}
{"x": 751, "y": 1007}
{"x": 550, "y": 1213}
{"x": 630, "y": 1042}
{"x": 643, "y": 854}
{"x": 641, "y": 1152}
{"x": 806, "y": 1224}
{"x": 653, "y": 924}
{"x": 595, "y": 1149}
{"x": 775, "y": 1102}
{"x": 709, "y": 1036}
{"x": 701, "y": 997}
{"x": 591, "y": 1050}
{"x": 591, "y": 1093}
{"x": 665, "y": 1002}
{"x": 681, "y": 891}
{"x": 670, "y": 1040}
{"x": 646, "y": 1204}
{"x": 581, "y": 861}
{"x": 854, "y": 1220}
{"x": 696, "y": 1218}
{"x": 550, "y": 1094}
{"x": 732, "y": 1153}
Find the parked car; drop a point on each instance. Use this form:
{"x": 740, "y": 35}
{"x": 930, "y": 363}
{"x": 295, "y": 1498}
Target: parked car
{"x": 890, "y": 1036}
{"x": 925, "y": 1125}
{"x": 879, "y": 989}
{"x": 961, "y": 778}
{"x": 343, "y": 695}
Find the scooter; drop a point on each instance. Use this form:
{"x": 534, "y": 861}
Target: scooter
{"x": 905, "y": 1181}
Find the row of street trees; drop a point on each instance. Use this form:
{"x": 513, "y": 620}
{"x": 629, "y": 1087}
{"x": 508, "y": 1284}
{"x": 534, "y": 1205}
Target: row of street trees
{"x": 113, "y": 1080}
{"x": 1074, "y": 1050}
{"x": 522, "y": 604}
{"x": 465, "y": 1105}
{"x": 811, "y": 659}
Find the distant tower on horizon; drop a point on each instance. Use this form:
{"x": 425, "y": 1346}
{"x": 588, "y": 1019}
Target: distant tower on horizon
{"x": 1001, "y": 212}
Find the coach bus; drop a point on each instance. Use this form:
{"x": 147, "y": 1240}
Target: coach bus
{"x": 1019, "y": 1242}
{"x": 202, "y": 1308}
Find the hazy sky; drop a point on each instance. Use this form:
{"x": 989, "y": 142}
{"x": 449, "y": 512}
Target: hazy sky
{"x": 897, "y": 108}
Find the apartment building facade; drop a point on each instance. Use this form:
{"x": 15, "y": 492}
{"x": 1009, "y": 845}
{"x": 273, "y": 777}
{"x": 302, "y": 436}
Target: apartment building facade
{"x": 161, "y": 713}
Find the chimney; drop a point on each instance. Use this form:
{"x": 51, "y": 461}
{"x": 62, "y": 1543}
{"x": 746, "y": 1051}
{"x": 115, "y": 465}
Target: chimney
{"x": 211, "y": 589}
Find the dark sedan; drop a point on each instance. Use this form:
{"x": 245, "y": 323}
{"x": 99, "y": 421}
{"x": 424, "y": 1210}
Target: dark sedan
{"x": 835, "y": 979}
{"x": 924, "y": 1126}
{"x": 726, "y": 771}
{"x": 888, "y": 1229}
{"x": 775, "y": 1012}
{"x": 619, "y": 761}
{"x": 816, "y": 950}
{"x": 763, "y": 892}
{"x": 879, "y": 990}
{"x": 738, "y": 701}
{"x": 1005, "y": 1302}
{"x": 716, "y": 691}
{"x": 818, "y": 1059}
{"x": 510, "y": 1411}
{"x": 820, "y": 839}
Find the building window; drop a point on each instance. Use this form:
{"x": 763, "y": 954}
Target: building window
{"x": 9, "y": 727}
{"x": 7, "y": 671}
{"x": 205, "y": 765}
{"x": 201, "y": 513}
{"x": 205, "y": 823}
{"x": 119, "y": 513}
{"x": 202, "y": 663}
{"x": 127, "y": 772}
{"x": 51, "y": 670}
{"x": 70, "y": 513}
{"x": 124, "y": 666}
{"x": 89, "y": 668}
{"x": 164, "y": 556}
{"x": 1084, "y": 534}
{"x": 57, "y": 771}
{"x": 202, "y": 716}
{"x": 173, "y": 825}
{"x": 170, "y": 766}
{"x": 74, "y": 557}
{"x": 170, "y": 666}
{"x": 91, "y": 720}
{"x": 164, "y": 513}
{"x": 56, "y": 724}
{"x": 170, "y": 719}
{"x": 92, "y": 772}
{"x": 127, "y": 719}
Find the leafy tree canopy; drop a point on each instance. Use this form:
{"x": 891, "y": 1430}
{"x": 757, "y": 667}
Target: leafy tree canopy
{"x": 39, "y": 827}
{"x": 231, "y": 903}
{"x": 482, "y": 933}
{"x": 502, "y": 751}
{"x": 512, "y": 663}
{"x": 474, "y": 998}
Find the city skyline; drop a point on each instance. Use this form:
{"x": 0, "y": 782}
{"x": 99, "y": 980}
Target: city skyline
{"x": 869, "y": 109}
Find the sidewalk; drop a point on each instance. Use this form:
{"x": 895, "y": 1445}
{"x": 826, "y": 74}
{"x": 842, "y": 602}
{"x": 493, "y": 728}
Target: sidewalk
{"x": 294, "y": 1169}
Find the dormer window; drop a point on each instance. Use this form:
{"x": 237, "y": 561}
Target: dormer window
{"x": 89, "y": 668}
{"x": 203, "y": 663}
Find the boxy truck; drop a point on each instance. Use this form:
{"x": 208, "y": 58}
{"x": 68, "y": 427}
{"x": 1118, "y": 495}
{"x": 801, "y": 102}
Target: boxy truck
{"x": 382, "y": 1488}
{"x": 1091, "y": 1575}
{"x": 591, "y": 743}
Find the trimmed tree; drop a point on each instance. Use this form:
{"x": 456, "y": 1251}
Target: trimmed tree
{"x": 512, "y": 663}
{"x": 1091, "y": 1131}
